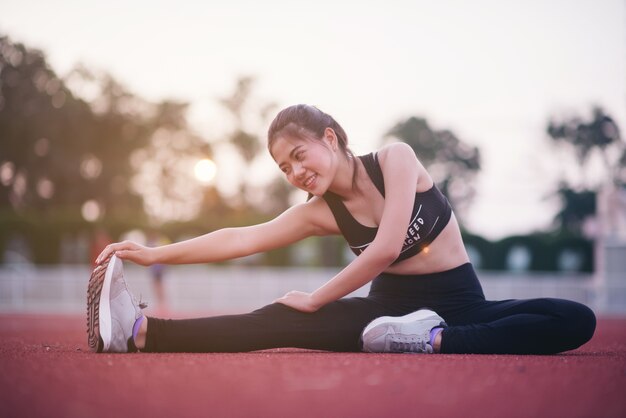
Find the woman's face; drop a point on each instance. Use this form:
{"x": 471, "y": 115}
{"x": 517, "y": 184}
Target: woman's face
{"x": 309, "y": 165}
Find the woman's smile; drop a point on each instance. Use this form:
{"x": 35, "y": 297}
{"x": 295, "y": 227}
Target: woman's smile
{"x": 310, "y": 181}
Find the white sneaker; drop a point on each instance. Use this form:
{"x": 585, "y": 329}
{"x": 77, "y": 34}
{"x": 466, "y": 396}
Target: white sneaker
{"x": 403, "y": 334}
{"x": 111, "y": 309}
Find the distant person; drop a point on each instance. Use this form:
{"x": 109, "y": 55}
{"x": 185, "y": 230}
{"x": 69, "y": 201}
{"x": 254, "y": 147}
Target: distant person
{"x": 17, "y": 250}
{"x": 99, "y": 242}
{"x": 157, "y": 271}
{"x": 408, "y": 244}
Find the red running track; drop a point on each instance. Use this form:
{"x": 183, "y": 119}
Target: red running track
{"x": 46, "y": 370}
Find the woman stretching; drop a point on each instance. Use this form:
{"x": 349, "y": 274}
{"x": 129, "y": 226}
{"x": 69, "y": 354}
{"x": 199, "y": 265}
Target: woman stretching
{"x": 408, "y": 244}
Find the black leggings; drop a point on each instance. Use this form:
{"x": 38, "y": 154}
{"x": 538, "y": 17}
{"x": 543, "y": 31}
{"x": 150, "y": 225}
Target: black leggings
{"x": 475, "y": 325}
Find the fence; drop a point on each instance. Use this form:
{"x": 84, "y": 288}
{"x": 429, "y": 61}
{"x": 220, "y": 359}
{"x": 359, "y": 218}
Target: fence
{"x": 197, "y": 288}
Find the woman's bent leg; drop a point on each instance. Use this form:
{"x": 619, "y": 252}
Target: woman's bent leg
{"x": 335, "y": 327}
{"x": 535, "y": 326}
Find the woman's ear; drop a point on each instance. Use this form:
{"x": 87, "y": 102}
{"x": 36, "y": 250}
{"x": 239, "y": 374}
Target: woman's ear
{"x": 331, "y": 138}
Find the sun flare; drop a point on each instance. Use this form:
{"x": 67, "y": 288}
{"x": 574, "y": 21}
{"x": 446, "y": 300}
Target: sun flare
{"x": 205, "y": 171}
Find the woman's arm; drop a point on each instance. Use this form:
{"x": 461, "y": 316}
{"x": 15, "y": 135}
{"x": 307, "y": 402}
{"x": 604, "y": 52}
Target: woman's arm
{"x": 400, "y": 172}
{"x": 296, "y": 223}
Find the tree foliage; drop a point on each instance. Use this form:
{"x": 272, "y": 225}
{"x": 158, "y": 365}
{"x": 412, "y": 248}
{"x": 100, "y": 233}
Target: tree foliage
{"x": 81, "y": 150}
{"x": 249, "y": 118}
{"x": 60, "y": 151}
{"x": 599, "y": 136}
{"x": 576, "y": 207}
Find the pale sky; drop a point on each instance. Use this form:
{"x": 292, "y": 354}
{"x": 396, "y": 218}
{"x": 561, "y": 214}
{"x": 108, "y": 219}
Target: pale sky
{"x": 493, "y": 72}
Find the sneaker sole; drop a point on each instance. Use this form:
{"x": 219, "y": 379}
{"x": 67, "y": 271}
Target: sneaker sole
{"x": 98, "y": 306}
{"x": 415, "y": 316}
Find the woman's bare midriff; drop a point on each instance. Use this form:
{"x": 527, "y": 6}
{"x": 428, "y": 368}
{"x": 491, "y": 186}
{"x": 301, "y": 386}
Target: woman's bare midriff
{"x": 446, "y": 252}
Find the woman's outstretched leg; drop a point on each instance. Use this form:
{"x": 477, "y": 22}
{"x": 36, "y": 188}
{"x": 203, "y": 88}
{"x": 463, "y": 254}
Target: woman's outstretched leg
{"x": 116, "y": 323}
{"x": 335, "y": 327}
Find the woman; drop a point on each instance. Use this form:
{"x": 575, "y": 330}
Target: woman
{"x": 408, "y": 244}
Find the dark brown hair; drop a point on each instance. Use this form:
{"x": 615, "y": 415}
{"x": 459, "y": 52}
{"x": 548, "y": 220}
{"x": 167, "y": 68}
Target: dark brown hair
{"x": 308, "y": 122}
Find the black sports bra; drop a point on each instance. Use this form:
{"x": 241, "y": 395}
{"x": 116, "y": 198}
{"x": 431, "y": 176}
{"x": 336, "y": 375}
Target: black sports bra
{"x": 431, "y": 213}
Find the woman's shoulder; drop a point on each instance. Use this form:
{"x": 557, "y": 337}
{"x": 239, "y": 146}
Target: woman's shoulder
{"x": 395, "y": 153}
{"x": 398, "y": 158}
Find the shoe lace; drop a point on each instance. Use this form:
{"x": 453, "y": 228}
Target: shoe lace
{"x": 141, "y": 303}
{"x": 409, "y": 346}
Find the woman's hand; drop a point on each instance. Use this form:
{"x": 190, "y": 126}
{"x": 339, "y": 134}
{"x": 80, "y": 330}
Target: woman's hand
{"x": 128, "y": 250}
{"x": 300, "y": 301}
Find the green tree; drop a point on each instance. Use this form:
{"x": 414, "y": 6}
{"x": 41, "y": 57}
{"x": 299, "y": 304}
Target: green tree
{"x": 576, "y": 207}
{"x": 60, "y": 150}
{"x": 597, "y": 137}
{"x": 249, "y": 117}
{"x": 47, "y": 142}
{"x": 600, "y": 135}
{"x": 451, "y": 162}
{"x": 75, "y": 148}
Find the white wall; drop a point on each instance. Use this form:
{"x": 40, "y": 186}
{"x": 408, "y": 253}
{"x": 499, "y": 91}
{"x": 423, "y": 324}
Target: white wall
{"x": 200, "y": 288}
